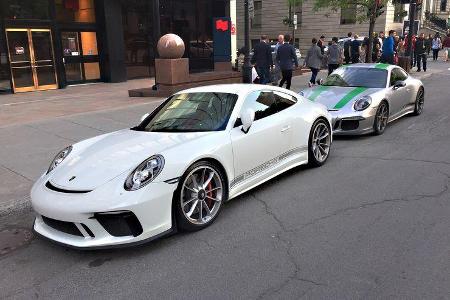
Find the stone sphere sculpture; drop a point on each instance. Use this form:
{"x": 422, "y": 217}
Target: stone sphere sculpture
{"x": 170, "y": 46}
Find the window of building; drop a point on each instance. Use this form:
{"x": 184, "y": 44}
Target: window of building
{"x": 75, "y": 11}
{"x": 5, "y": 84}
{"x": 348, "y": 14}
{"x": 257, "y": 19}
{"x": 399, "y": 10}
{"x": 443, "y": 5}
{"x": 24, "y": 9}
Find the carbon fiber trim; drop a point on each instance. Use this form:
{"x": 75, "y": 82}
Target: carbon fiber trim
{"x": 267, "y": 165}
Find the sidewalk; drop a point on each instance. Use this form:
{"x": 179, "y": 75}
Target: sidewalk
{"x": 43, "y": 105}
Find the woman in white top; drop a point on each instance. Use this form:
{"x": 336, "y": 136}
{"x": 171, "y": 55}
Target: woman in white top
{"x": 436, "y": 45}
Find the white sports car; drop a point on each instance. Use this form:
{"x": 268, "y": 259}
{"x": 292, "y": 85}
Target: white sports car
{"x": 364, "y": 98}
{"x": 198, "y": 149}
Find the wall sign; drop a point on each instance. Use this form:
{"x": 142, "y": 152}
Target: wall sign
{"x": 19, "y": 50}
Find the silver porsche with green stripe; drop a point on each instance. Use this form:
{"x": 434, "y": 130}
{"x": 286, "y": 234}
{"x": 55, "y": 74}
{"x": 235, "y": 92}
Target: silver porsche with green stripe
{"x": 364, "y": 98}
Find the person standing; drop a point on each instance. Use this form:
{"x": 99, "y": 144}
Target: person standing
{"x": 262, "y": 57}
{"x": 321, "y": 44}
{"x": 376, "y": 48}
{"x": 429, "y": 41}
{"x": 277, "y": 70}
{"x": 387, "y": 55}
{"x": 436, "y": 45}
{"x": 286, "y": 58}
{"x": 347, "y": 48}
{"x": 421, "y": 52}
{"x": 446, "y": 46}
{"x": 313, "y": 60}
{"x": 334, "y": 55}
{"x": 355, "y": 49}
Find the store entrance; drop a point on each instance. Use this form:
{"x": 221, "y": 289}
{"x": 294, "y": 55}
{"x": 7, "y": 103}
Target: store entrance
{"x": 31, "y": 59}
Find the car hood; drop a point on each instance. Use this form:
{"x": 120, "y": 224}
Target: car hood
{"x": 96, "y": 161}
{"x": 336, "y": 97}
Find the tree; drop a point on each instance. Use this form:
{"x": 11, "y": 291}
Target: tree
{"x": 366, "y": 10}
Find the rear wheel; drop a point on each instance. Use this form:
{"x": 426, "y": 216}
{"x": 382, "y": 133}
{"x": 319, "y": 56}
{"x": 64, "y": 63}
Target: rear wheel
{"x": 381, "y": 118}
{"x": 420, "y": 100}
{"x": 319, "y": 143}
{"x": 199, "y": 197}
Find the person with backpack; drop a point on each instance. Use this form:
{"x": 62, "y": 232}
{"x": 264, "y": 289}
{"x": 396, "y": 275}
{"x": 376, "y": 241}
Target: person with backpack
{"x": 347, "y": 48}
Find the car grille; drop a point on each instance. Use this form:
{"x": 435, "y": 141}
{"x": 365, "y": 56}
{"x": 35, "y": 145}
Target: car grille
{"x": 66, "y": 227}
{"x": 349, "y": 124}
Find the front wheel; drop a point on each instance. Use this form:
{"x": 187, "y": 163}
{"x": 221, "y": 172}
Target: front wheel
{"x": 319, "y": 143}
{"x": 199, "y": 197}
{"x": 420, "y": 100}
{"x": 381, "y": 119}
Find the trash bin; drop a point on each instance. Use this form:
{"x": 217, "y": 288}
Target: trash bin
{"x": 405, "y": 63}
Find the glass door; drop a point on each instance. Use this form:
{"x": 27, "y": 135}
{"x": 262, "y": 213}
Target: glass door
{"x": 31, "y": 59}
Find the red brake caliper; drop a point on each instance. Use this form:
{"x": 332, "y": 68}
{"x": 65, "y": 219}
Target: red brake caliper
{"x": 210, "y": 194}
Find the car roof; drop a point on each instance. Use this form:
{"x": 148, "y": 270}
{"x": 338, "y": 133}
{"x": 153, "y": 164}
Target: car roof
{"x": 371, "y": 66}
{"x": 235, "y": 88}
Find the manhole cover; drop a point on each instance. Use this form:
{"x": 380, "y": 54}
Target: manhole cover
{"x": 11, "y": 239}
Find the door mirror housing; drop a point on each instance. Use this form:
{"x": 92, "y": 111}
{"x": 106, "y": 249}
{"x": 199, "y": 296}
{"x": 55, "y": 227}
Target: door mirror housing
{"x": 398, "y": 84}
{"x": 247, "y": 118}
{"x": 144, "y": 117}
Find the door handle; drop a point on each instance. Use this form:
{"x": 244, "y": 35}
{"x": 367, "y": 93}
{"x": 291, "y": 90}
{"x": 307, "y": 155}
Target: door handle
{"x": 286, "y": 128}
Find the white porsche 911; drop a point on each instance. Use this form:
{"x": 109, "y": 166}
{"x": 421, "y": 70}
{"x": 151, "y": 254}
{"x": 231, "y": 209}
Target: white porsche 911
{"x": 198, "y": 149}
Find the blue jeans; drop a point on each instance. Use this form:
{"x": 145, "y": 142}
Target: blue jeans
{"x": 264, "y": 74}
{"x": 314, "y": 73}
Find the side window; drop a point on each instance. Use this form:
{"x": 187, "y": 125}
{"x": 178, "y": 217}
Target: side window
{"x": 283, "y": 100}
{"x": 262, "y": 103}
{"x": 397, "y": 75}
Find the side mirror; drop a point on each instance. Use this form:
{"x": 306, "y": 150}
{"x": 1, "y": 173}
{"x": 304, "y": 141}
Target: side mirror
{"x": 247, "y": 118}
{"x": 144, "y": 117}
{"x": 398, "y": 84}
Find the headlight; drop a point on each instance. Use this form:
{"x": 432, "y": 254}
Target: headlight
{"x": 144, "y": 173}
{"x": 59, "y": 158}
{"x": 362, "y": 103}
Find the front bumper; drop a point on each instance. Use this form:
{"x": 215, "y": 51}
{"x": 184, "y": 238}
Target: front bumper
{"x": 74, "y": 219}
{"x": 353, "y": 123}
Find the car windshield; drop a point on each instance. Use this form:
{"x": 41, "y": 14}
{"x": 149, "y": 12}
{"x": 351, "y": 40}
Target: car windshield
{"x": 358, "y": 77}
{"x": 191, "y": 112}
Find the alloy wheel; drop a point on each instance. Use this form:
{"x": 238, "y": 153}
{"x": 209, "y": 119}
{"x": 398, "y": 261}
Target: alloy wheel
{"x": 382, "y": 117}
{"x": 201, "y": 195}
{"x": 321, "y": 142}
{"x": 420, "y": 102}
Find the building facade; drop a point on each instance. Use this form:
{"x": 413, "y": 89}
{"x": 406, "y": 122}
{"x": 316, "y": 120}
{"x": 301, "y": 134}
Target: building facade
{"x": 269, "y": 16}
{"x": 47, "y": 44}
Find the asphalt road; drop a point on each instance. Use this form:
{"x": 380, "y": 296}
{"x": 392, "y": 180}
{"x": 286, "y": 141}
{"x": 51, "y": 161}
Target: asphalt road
{"x": 373, "y": 223}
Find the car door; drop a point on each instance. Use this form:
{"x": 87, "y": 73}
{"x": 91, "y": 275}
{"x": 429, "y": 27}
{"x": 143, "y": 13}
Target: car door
{"x": 268, "y": 138}
{"x": 398, "y": 97}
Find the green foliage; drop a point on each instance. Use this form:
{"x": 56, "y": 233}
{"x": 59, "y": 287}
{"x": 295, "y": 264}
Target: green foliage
{"x": 363, "y": 7}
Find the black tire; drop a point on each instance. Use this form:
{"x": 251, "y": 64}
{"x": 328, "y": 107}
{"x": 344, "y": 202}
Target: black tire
{"x": 381, "y": 118}
{"x": 420, "y": 100}
{"x": 314, "y": 161}
{"x": 183, "y": 223}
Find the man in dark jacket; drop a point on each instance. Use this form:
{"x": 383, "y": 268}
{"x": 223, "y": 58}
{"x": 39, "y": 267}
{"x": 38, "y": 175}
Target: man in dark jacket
{"x": 347, "y": 48}
{"x": 286, "y": 59}
{"x": 421, "y": 52}
{"x": 262, "y": 57}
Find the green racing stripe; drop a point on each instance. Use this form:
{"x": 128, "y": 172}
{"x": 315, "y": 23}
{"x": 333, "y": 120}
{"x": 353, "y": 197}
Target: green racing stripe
{"x": 350, "y": 95}
{"x": 317, "y": 91}
{"x": 381, "y": 66}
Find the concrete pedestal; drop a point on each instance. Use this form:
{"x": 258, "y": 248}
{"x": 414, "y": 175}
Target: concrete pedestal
{"x": 172, "y": 71}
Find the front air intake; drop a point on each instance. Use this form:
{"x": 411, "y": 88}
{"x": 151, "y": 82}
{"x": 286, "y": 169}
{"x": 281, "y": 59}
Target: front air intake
{"x": 123, "y": 223}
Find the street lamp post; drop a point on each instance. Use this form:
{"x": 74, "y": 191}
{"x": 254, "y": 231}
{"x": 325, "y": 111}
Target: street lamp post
{"x": 247, "y": 67}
